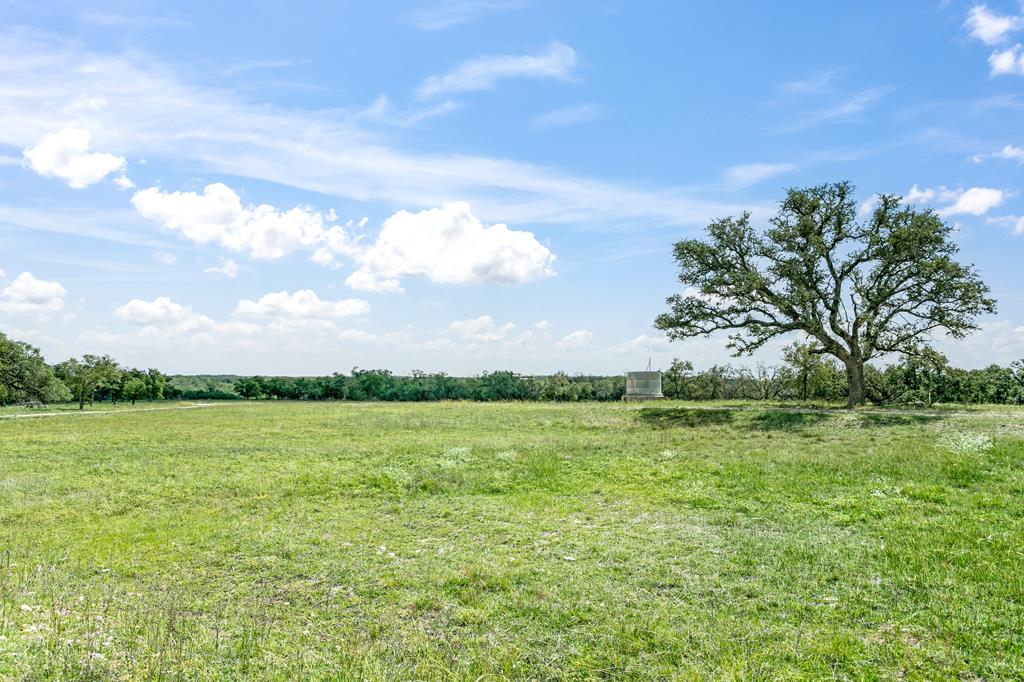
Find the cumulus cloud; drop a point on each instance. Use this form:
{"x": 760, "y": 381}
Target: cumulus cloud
{"x": 227, "y": 267}
{"x": 29, "y": 295}
{"x": 160, "y": 311}
{"x": 575, "y": 341}
{"x": 363, "y": 281}
{"x": 450, "y": 245}
{"x": 302, "y": 304}
{"x": 989, "y": 27}
{"x": 162, "y": 316}
{"x": 218, "y": 216}
{"x": 1008, "y": 62}
{"x": 65, "y": 155}
{"x": 557, "y": 62}
{"x": 446, "y": 245}
{"x": 482, "y": 329}
{"x": 974, "y": 201}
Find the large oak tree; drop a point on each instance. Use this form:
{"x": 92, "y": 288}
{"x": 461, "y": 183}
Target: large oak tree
{"x": 857, "y": 288}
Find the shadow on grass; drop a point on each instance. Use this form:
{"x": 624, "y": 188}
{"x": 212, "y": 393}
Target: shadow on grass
{"x": 767, "y": 419}
{"x": 895, "y": 419}
{"x": 786, "y": 421}
{"x": 684, "y": 417}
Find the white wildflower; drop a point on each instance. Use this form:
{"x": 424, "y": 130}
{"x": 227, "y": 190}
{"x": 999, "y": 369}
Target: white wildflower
{"x": 966, "y": 442}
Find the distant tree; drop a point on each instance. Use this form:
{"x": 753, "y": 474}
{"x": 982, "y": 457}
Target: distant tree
{"x": 768, "y": 382}
{"x": 250, "y": 388}
{"x": 155, "y": 382}
{"x": 133, "y": 389}
{"x": 24, "y": 375}
{"x": 676, "y": 379}
{"x": 857, "y": 288}
{"x": 805, "y": 363}
{"x": 80, "y": 379}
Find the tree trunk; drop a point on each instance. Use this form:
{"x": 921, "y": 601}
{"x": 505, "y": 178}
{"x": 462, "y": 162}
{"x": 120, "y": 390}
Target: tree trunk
{"x": 81, "y": 402}
{"x": 855, "y": 381}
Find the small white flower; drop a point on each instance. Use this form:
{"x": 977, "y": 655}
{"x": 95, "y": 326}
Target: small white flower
{"x": 966, "y": 442}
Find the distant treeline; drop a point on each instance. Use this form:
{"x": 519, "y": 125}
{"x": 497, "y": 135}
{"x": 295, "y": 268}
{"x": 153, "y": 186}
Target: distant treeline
{"x": 804, "y": 374}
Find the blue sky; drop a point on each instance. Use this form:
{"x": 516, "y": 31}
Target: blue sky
{"x": 465, "y": 185}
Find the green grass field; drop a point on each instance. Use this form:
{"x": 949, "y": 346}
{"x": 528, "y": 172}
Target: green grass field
{"x": 502, "y": 541}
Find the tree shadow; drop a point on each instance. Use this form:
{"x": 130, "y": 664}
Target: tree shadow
{"x": 895, "y": 419}
{"x": 684, "y": 417}
{"x": 769, "y": 420}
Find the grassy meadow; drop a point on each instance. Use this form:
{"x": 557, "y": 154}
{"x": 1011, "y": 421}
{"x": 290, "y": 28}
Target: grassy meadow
{"x": 463, "y": 541}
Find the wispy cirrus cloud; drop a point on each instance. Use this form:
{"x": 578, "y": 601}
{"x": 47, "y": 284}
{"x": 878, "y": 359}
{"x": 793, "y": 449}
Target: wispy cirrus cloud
{"x": 748, "y": 174}
{"x": 812, "y": 85}
{"x": 848, "y": 107}
{"x": 451, "y": 13}
{"x": 245, "y": 65}
{"x": 482, "y": 73}
{"x": 150, "y": 112}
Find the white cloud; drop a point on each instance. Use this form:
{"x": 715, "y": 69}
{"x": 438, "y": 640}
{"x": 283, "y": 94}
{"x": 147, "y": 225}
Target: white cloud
{"x": 301, "y": 304}
{"x": 28, "y": 295}
{"x": 991, "y": 28}
{"x": 974, "y": 201}
{"x": 753, "y": 173}
{"x": 227, "y": 267}
{"x": 569, "y": 116}
{"x": 1007, "y": 62}
{"x": 867, "y": 206}
{"x": 124, "y": 182}
{"x": 450, "y": 245}
{"x": 577, "y": 340}
{"x": 339, "y": 241}
{"x": 158, "y": 312}
{"x": 165, "y": 258}
{"x": 1008, "y": 153}
{"x": 482, "y": 329}
{"x": 211, "y": 130}
{"x": 363, "y": 281}
{"x": 217, "y": 216}
{"x": 65, "y": 155}
{"x": 557, "y": 62}
{"x": 2, "y": 273}
{"x": 162, "y": 316}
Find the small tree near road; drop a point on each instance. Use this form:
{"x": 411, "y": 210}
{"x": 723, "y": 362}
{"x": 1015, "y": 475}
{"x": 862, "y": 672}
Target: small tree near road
{"x": 857, "y": 288}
